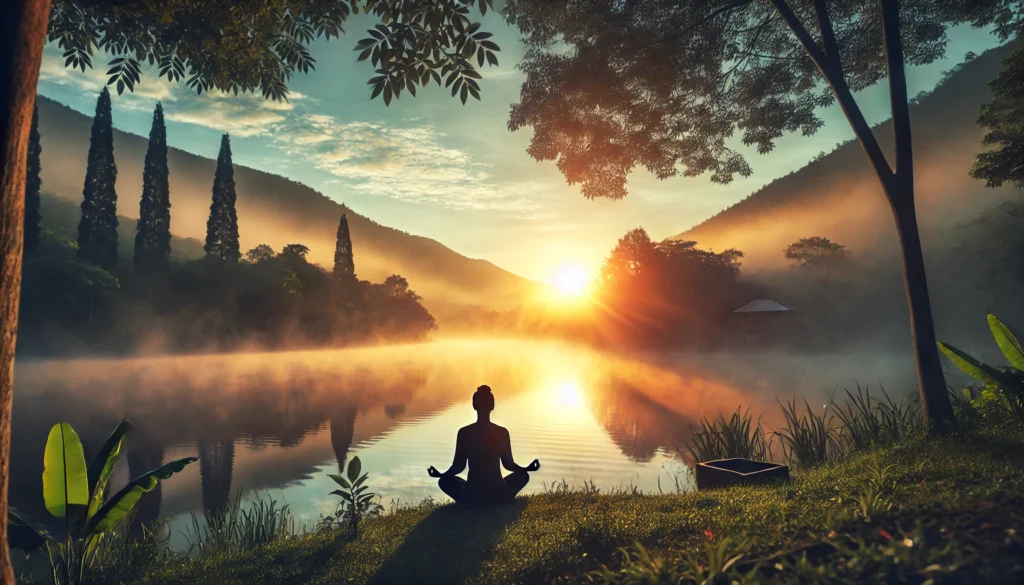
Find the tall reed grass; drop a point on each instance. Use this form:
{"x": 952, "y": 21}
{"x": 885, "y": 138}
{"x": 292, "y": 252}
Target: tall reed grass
{"x": 233, "y": 528}
{"x": 737, "y": 436}
{"x": 809, "y": 438}
{"x": 866, "y": 421}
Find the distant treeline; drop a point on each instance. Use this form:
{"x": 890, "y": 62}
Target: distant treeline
{"x": 672, "y": 294}
{"x": 79, "y": 298}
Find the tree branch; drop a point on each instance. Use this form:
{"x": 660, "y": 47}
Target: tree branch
{"x": 828, "y": 37}
{"x": 683, "y": 32}
{"x": 898, "y": 92}
{"x": 842, "y": 92}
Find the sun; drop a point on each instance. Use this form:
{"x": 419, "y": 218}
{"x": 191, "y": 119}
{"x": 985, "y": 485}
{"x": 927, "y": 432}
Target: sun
{"x": 571, "y": 280}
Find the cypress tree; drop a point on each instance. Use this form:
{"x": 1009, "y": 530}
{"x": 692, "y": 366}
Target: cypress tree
{"x": 97, "y": 231}
{"x": 222, "y": 227}
{"x": 344, "y": 266}
{"x": 153, "y": 240}
{"x": 33, "y": 182}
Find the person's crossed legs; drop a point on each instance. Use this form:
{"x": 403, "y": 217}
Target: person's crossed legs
{"x": 455, "y": 488}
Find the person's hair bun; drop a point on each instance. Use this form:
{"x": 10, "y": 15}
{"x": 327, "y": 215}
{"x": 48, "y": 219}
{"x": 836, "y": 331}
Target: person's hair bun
{"x": 484, "y": 388}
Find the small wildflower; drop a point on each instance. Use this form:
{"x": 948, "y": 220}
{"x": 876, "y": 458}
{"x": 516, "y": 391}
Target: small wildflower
{"x": 709, "y": 534}
{"x": 908, "y": 543}
{"x": 885, "y": 535}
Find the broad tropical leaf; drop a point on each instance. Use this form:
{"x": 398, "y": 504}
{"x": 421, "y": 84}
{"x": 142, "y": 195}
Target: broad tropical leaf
{"x": 65, "y": 480}
{"x": 21, "y": 535}
{"x": 118, "y": 506}
{"x": 102, "y": 465}
{"x": 354, "y": 467}
{"x": 340, "y": 481}
{"x": 971, "y": 366}
{"x": 1007, "y": 342}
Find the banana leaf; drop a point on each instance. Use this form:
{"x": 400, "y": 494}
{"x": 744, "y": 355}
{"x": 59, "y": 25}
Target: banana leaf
{"x": 102, "y": 465}
{"x": 65, "y": 481}
{"x": 21, "y": 535}
{"x": 121, "y": 503}
{"x": 1007, "y": 342}
{"x": 971, "y": 366}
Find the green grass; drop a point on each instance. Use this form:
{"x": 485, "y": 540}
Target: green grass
{"x": 946, "y": 510}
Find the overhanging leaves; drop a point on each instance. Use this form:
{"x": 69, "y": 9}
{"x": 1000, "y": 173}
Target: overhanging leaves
{"x": 258, "y": 46}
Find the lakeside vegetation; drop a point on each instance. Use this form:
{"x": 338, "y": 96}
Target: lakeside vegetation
{"x": 874, "y": 496}
{"x": 907, "y": 508}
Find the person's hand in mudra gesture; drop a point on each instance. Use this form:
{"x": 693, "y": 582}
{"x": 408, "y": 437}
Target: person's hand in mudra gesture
{"x": 533, "y": 466}
{"x": 433, "y": 472}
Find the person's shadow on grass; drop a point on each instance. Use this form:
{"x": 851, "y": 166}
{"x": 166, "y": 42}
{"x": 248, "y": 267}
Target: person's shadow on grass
{"x": 448, "y": 546}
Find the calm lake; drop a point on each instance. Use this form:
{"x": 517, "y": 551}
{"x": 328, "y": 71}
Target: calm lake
{"x": 277, "y": 423}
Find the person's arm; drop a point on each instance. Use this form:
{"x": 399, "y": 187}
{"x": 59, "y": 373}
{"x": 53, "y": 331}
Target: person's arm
{"x": 459, "y": 462}
{"x": 507, "y": 461}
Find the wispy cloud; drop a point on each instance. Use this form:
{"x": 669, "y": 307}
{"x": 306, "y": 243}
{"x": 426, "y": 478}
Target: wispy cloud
{"x": 409, "y": 163}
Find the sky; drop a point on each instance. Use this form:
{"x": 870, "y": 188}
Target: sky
{"x": 430, "y": 166}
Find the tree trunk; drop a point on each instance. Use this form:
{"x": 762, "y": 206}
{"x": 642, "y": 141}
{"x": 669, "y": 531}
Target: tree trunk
{"x": 899, "y": 189}
{"x": 22, "y": 35}
{"x": 898, "y": 185}
{"x": 931, "y": 383}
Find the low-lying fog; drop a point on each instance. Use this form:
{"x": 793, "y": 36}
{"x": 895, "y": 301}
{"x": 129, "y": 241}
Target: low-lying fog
{"x": 279, "y": 422}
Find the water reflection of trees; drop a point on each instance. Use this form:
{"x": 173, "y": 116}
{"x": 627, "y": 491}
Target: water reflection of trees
{"x": 144, "y": 455}
{"x": 638, "y": 426}
{"x": 342, "y": 427}
{"x": 216, "y": 461}
{"x": 211, "y": 408}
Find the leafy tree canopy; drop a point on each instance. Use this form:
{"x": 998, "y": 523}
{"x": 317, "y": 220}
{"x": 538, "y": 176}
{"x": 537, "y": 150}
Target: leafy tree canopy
{"x": 295, "y": 250}
{"x": 665, "y": 84}
{"x": 815, "y": 251}
{"x": 260, "y": 253}
{"x": 1004, "y": 121}
{"x": 257, "y": 46}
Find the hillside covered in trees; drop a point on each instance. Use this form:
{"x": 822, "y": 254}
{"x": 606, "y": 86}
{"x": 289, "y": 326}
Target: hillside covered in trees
{"x": 276, "y": 211}
{"x": 837, "y": 194}
{"x": 971, "y": 234}
{"x": 112, "y": 286}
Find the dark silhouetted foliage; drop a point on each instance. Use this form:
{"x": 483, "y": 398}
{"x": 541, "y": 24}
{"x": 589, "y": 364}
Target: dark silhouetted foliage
{"x": 97, "y": 230}
{"x": 669, "y": 292}
{"x": 815, "y": 252}
{"x": 279, "y": 301}
{"x": 33, "y": 183}
{"x": 296, "y": 250}
{"x": 344, "y": 264}
{"x": 260, "y": 253}
{"x": 259, "y": 46}
{"x": 222, "y": 227}
{"x": 1003, "y": 119}
{"x": 153, "y": 237}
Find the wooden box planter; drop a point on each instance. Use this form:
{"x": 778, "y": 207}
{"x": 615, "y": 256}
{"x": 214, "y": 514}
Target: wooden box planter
{"x": 729, "y": 472}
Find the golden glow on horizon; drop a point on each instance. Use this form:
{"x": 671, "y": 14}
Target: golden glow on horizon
{"x": 571, "y": 280}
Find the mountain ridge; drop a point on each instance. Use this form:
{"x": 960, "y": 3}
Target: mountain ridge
{"x": 274, "y": 210}
{"x": 839, "y": 195}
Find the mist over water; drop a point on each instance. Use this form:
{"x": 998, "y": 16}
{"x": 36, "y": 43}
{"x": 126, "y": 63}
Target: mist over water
{"x": 278, "y": 423}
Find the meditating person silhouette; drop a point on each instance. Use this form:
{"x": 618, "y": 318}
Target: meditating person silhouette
{"x": 483, "y": 444}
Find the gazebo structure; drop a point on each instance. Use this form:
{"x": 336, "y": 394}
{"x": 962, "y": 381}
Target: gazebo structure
{"x": 766, "y": 318}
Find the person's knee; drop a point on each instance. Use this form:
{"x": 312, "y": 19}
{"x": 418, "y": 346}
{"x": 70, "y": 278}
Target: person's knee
{"x": 518, "y": 480}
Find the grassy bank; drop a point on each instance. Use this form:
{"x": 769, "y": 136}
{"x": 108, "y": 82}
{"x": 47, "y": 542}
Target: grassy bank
{"x": 921, "y": 511}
